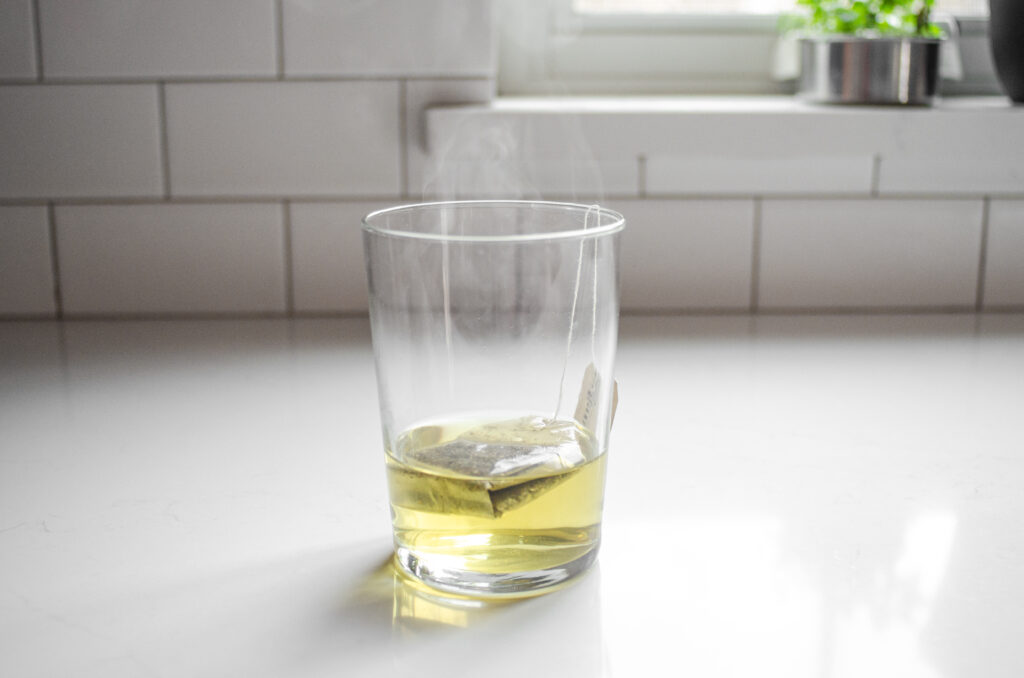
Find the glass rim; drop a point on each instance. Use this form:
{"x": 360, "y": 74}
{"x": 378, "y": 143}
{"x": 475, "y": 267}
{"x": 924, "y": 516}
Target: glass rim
{"x": 616, "y": 225}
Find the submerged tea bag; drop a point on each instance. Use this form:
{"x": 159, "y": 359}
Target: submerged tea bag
{"x": 476, "y": 472}
{"x": 506, "y": 448}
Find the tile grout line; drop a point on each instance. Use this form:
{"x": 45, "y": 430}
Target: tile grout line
{"x": 641, "y": 175}
{"x": 876, "y": 170}
{"x": 831, "y": 196}
{"x": 979, "y": 299}
{"x": 343, "y": 197}
{"x": 279, "y": 37}
{"x": 37, "y": 31}
{"x": 200, "y": 199}
{"x": 289, "y": 265}
{"x": 755, "y": 259}
{"x": 403, "y": 140}
{"x": 58, "y": 293}
{"x": 185, "y": 315}
{"x": 165, "y": 146}
{"x": 738, "y": 311}
{"x": 235, "y": 79}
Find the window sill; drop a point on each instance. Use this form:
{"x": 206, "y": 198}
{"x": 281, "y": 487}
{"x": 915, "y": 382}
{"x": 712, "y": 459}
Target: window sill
{"x": 742, "y": 145}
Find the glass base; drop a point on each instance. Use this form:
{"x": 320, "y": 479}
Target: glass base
{"x": 487, "y": 585}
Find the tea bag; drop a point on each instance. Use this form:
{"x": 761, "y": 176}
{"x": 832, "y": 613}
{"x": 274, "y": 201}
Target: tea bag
{"x": 475, "y": 473}
{"x": 506, "y": 448}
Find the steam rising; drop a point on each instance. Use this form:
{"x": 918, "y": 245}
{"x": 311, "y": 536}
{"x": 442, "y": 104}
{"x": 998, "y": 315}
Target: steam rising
{"x": 521, "y": 156}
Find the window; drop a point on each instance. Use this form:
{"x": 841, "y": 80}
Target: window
{"x": 682, "y": 46}
{"x": 971, "y": 8}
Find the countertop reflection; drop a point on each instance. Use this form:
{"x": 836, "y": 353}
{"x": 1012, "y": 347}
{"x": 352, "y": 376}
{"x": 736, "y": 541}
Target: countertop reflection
{"x": 787, "y": 496}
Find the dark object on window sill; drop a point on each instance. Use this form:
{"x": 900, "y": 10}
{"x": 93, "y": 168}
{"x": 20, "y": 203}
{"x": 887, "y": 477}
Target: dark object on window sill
{"x": 849, "y": 70}
{"x": 1007, "y": 29}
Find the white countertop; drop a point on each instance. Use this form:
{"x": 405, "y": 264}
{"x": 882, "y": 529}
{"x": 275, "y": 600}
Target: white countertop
{"x": 837, "y": 496}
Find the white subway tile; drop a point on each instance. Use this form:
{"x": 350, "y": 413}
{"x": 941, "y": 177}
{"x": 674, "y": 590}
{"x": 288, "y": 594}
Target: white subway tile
{"x": 729, "y": 174}
{"x": 17, "y": 40}
{"x": 869, "y": 253}
{"x": 579, "y": 175}
{"x": 171, "y": 258}
{"x": 463, "y": 174}
{"x": 421, "y": 94}
{"x": 388, "y": 37}
{"x": 480, "y": 154}
{"x": 979, "y": 172}
{"x": 328, "y": 272}
{"x": 26, "y": 274}
{"x": 118, "y": 39}
{"x": 79, "y": 141}
{"x": 1004, "y": 265}
{"x": 686, "y": 254}
{"x": 965, "y": 146}
{"x": 284, "y": 138}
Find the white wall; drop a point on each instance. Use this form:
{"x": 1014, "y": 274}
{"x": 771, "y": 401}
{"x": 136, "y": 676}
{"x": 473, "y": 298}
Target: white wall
{"x": 200, "y": 157}
{"x": 207, "y": 157}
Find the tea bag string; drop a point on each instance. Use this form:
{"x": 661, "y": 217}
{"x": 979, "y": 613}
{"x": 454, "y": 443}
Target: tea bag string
{"x": 591, "y": 210}
{"x": 447, "y": 302}
{"x": 593, "y": 308}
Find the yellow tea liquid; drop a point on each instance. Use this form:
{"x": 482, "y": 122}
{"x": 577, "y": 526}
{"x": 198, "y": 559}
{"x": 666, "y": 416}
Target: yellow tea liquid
{"x": 514, "y": 499}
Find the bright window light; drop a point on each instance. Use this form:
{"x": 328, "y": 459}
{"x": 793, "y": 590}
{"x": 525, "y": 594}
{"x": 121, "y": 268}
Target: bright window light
{"x": 956, "y": 7}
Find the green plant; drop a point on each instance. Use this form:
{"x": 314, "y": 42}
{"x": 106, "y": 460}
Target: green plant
{"x": 866, "y": 18}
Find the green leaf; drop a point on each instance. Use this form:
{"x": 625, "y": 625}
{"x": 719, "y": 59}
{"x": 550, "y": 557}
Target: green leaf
{"x": 866, "y": 17}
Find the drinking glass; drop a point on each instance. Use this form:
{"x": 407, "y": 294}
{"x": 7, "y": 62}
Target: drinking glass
{"x": 494, "y": 330}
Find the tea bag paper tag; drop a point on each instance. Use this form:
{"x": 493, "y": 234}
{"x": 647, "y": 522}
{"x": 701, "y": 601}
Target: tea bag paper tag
{"x": 588, "y": 403}
{"x": 615, "y": 403}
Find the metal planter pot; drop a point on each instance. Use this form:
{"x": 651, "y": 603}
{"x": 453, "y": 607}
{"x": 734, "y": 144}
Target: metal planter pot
{"x": 848, "y": 70}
